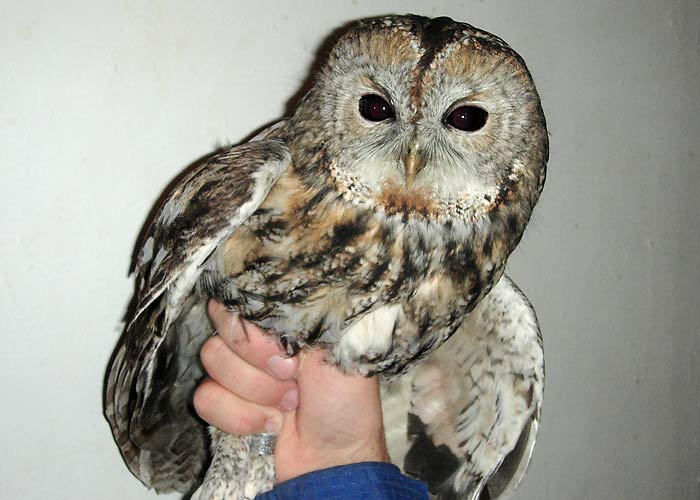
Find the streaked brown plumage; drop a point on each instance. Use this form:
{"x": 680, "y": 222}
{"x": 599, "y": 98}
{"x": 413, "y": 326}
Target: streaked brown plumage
{"x": 374, "y": 229}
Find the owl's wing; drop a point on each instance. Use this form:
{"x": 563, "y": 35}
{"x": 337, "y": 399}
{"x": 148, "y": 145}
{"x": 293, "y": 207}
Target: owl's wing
{"x": 203, "y": 209}
{"x": 476, "y": 401}
{"x": 155, "y": 366}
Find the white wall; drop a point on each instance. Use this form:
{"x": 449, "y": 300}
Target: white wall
{"x": 102, "y": 103}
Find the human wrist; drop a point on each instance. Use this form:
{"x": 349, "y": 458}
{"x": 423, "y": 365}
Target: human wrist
{"x": 305, "y": 459}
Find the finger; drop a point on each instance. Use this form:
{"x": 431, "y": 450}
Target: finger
{"x": 246, "y": 381}
{"x": 226, "y": 411}
{"x": 251, "y": 343}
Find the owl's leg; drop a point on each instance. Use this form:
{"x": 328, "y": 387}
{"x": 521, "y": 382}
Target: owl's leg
{"x": 241, "y": 467}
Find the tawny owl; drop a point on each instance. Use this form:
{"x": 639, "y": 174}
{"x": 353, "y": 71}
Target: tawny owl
{"x": 376, "y": 222}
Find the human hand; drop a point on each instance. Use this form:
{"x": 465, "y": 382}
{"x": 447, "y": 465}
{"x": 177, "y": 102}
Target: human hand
{"x": 322, "y": 417}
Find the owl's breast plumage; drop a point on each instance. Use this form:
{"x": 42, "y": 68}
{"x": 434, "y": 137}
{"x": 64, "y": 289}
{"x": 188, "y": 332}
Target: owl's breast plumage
{"x": 309, "y": 264}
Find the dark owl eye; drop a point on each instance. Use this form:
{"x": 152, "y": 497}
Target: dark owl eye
{"x": 467, "y": 118}
{"x": 375, "y": 108}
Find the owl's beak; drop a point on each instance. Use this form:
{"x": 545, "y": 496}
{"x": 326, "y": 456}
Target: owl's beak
{"x": 413, "y": 163}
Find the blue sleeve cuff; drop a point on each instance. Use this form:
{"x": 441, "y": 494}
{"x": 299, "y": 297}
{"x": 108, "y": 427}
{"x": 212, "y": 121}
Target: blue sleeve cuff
{"x": 366, "y": 481}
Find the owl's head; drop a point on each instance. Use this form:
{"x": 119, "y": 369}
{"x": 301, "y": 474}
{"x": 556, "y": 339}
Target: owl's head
{"x": 423, "y": 116}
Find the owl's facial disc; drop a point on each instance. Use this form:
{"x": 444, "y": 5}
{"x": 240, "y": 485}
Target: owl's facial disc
{"x": 424, "y": 113}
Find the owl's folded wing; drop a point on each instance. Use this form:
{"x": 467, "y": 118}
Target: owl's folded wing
{"x": 204, "y": 208}
{"x": 476, "y": 401}
{"x": 155, "y": 367}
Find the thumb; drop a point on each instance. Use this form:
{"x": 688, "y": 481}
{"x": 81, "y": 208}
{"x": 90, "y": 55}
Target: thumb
{"x": 338, "y": 401}
{"x": 338, "y": 420}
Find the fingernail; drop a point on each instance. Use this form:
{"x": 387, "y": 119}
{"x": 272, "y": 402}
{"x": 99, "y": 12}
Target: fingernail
{"x": 274, "y": 425}
{"x": 281, "y": 368}
{"x": 290, "y": 400}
